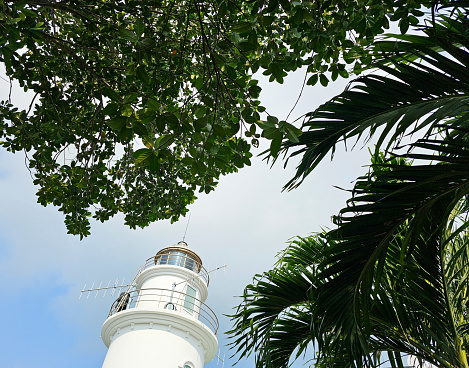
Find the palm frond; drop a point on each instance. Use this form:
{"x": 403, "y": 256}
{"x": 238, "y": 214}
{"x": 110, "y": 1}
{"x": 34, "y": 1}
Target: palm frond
{"x": 274, "y": 318}
{"x": 432, "y": 86}
{"x": 392, "y": 242}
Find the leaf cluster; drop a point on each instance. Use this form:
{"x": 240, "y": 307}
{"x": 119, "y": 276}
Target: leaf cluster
{"x": 139, "y": 104}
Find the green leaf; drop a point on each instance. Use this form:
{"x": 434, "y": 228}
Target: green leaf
{"x": 110, "y": 109}
{"x": 198, "y": 83}
{"x": 125, "y": 135}
{"x": 153, "y": 105}
{"x": 312, "y": 80}
{"x": 131, "y": 68}
{"x": 141, "y": 155}
{"x": 219, "y": 131}
{"x": 200, "y": 112}
{"x": 117, "y": 123}
{"x": 404, "y": 25}
{"x": 113, "y": 95}
{"x": 132, "y": 97}
{"x": 293, "y": 133}
{"x": 255, "y": 91}
{"x": 267, "y": 20}
{"x": 140, "y": 129}
{"x": 272, "y": 6}
{"x": 219, "y": 59}
{"x": 139, "y": 27}
{"x": 276, "y": 144}
{"x": 323, "y": 80}
{"x": 247, "y": 46}
{"x": 187, "y": 160}
{"x": 153, "y": 163}
{"x": 347, "y": 44}
{"x": 164, "y": 141}
{"x": 128, "y": 35}
{"x": 143, "y": 75}
{"x": 127, "y": 110}
{"x": 241, "y": 27}
{"x": 147, "y": 142}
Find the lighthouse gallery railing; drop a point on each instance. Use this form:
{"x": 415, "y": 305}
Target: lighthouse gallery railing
{"x": 165, "y": 299}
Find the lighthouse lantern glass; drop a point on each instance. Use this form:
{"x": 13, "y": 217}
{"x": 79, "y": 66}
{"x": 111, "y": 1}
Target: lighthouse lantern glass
{"x": 178, "y": 258}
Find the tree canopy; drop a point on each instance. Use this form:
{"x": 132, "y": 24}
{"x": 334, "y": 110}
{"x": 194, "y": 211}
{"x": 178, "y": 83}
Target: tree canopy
{"x": 138, "y": 104}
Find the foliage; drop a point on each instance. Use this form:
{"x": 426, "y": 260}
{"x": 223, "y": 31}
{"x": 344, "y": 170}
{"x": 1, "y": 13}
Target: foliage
{"x": 417, "y": 305}
{"x": 394, "y": 274}
{"x": 133, "y": 114}
{"x": 139, "y": 104}
{"x": 428, "y": 75}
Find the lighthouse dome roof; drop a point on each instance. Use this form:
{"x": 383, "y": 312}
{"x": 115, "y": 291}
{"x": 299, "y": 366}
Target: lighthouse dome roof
{"x": 179, "y": 251}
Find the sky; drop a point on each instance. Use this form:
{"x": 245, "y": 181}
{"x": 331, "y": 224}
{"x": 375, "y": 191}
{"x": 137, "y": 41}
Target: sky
{"x": 244, "y": 223}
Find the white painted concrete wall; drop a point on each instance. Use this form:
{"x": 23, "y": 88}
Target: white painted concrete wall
{"x": 156, "y": 285}
{"x": 159, "y": 347}
{"x": 163, "y": 277}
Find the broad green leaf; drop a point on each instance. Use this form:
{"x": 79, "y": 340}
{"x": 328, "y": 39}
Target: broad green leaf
{"x": 241, "y": 27}
{"x": 143, "y": 75}
{"x": 139, "y": 27}
{"x": 164, "y": 141}
{"x": 128, "y": 35}
{"x": 117, "y": 123}
{"x": 153, "y": 105}
{"x": 147, "y": 142}
{"x": 141, "y": 155}
{"x": 312, "y": 80}
{"x": 323, "y": 80}
{"x": 113, "y": 95}
{"x": 247, "y": 46}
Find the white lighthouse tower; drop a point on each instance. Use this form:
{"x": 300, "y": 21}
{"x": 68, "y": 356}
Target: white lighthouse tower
{"x": 161, "y": 321}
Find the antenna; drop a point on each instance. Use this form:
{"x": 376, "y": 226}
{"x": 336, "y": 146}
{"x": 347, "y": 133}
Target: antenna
{"x": 113, "y": 288}
{"x": 217, "y": 268}
{"x": 106, "y": 288}
{"x": 187, "y": 225}
{"x": 129, "y": 287}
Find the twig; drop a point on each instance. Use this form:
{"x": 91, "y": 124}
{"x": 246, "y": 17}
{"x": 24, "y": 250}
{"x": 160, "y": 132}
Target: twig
{"x": 31, "y": 104}
{"x": 299, "y": 96}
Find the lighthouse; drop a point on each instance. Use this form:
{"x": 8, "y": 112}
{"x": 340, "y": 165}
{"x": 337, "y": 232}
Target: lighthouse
{"x": 161, "y": 321}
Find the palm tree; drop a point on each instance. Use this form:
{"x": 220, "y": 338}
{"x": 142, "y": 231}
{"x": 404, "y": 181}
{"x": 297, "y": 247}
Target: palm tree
{"x": 393, "y": 276}
{"x": 418, "y": 304}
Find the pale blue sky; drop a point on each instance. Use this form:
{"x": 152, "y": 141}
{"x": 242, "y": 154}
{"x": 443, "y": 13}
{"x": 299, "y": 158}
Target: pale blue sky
{"x": 245, "y": 223}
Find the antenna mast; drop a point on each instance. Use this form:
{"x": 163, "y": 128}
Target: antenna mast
{"x": 187, "y": 225}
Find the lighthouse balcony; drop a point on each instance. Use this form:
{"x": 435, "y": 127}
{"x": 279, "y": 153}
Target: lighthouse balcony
{"x": 166, "y": 300}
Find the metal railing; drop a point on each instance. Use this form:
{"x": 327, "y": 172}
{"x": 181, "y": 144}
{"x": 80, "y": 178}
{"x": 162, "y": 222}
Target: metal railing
{"x": 154, "y": 299}
{"x": 177, "y": 260}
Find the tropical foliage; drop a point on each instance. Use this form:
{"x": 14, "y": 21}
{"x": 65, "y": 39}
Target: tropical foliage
{"x": 135, "y": 105}
{"x": 340, "y": 302}
{"x": 393, "y": 276}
